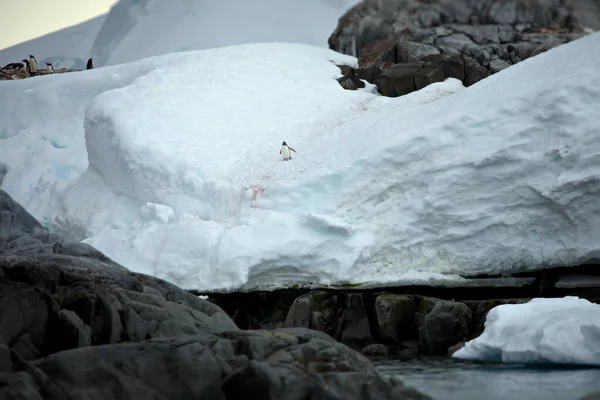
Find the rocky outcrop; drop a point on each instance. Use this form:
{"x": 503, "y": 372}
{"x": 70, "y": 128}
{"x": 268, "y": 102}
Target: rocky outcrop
{"x": 483, "y": 36}
{"x": 75, "y": 325}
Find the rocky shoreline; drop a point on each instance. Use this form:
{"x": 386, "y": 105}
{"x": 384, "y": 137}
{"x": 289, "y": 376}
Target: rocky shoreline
{"x": 406, "y": 322}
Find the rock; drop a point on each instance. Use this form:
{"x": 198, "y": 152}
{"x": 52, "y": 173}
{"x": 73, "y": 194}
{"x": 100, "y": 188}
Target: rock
{"x": 591, "y": 396}
{"x": 353, "y": 328}
{"x": 349, "y": 80}
{"x": 316, "y": 307}
{"x": 375, "y": 350}
{"x": 395, "y": 317}
{"x": 474, "y": 72}
{"x": 76, "y": 325}
{"x": 455, "y": 348}
{"x": 453, "y": 65}
{"x": 428, "y": 75}
{"x": 457, "y": 27}
{"x": 445, "y": 325}
{"x": 398, "y": 80}
{"x": 407, "y": 51}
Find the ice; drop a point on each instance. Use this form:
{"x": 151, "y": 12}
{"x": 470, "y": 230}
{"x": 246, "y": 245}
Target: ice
{"x": 66, "y": 48}
{"x": 136, "y": 29}
{"x": 170, "y": 166}
{"x": 542, "y": 331}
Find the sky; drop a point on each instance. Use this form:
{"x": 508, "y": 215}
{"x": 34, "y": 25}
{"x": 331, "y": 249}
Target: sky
{"x": 22, "y": 20}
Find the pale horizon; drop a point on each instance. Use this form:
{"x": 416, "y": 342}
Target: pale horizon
{"x": 24, "y": 20}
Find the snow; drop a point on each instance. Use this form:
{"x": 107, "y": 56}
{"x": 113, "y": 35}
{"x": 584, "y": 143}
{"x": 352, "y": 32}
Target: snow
{"x": 135, "y": 29}
{"x": 66, "y": 48}
{"x": 542, "y": 331}
{"x": 170, "y": 166}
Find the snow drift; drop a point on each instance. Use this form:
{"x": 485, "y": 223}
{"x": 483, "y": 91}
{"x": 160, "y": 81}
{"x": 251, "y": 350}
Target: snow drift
{"x": 66, "y": 48}
{"x": 135, "y": 29}
{"x": 184, "y": 181}
{"x": 542, "y": 331}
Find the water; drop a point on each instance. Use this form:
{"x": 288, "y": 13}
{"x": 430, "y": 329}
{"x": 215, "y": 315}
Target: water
{"x": 449, "y": 379}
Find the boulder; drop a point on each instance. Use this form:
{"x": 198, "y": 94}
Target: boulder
{"x": 76, "y": 325}
{"x": 316, "y": 310}
{"x": 398, "y": 80}
{"x": 395, "y": 317}
{"x": 447, "y": 324}
{"x": 353, "y": 326}
{"x": 381, "y": 31}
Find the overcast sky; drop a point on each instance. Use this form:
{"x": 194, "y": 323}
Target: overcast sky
{"x": 21, "y": 20}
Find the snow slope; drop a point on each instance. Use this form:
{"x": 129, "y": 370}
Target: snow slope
{"x": 135, "y": 29}
{"x": 184, "y": 180}
{"x": 66, "y": 48}
{"x": 542, "y": 331}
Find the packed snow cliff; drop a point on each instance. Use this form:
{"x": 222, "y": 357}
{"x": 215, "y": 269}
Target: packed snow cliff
{"x": 178, "y": 174}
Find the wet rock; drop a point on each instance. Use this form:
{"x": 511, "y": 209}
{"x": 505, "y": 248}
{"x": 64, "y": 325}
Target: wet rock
{"x": 395, "y": 317}
{"x": 453, "y": 65}
{"x": 445, "y": 325}
{"x": 455, "y": 348}
{"x": 428, "y": 75}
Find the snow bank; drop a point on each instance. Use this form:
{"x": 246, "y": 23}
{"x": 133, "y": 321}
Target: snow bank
{"x": 184, "y": 180}
{"x": 66, "y": 48}
{"x": 542, "y": 331}
{"x": 137, "y": 29}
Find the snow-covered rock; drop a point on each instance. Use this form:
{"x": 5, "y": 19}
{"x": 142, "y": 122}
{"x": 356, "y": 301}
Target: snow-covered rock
{"x": 542, "y": 331}
{"x": 67, "y": 48}
{"x": 184, "y": 180}
{"x": 136, "y": 29}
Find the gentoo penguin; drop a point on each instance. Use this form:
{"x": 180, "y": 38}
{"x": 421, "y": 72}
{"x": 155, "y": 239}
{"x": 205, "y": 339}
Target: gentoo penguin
{"x": 90, "y": 64}
{"x": 285, "y": 151}
{"x": 32, "y": 63}
{"x": 49, "y": 68}
{"x": 27, "y": 65}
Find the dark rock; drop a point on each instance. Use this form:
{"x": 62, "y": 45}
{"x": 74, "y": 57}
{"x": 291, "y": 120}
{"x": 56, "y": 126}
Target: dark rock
{"x": 398, "y": 80}
{"x": 395, "y": 317}
{"x": 453, "y": 65}
{"x": 351, "y": 82}
{"x": 407, "y": 51}
{"x": 353, "y": 328}
{"x": 455, "y": 348}
{"x": 5, "y": 359}
{"x": 318, "y": 308}
{"x": 375, "y": 350}
{"x": 474, "y": 72}
{"x": 428, "y": 75}
{"x": 445, "y": 325}
{"x": 459, "y": 27}
{"x": 76, "y": 325}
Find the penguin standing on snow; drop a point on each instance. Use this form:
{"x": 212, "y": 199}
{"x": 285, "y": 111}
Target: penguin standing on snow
{"x": 49, "y": 68}
{"x": 285, "y": 151}
{"x": 90, "y": 64}
{"x": 27, "y": 65}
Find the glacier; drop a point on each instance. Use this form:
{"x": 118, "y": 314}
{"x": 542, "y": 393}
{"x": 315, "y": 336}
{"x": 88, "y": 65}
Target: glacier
{"x": 136, "y": 29}
{"x": 541, "y": 331}
{"x": 66, "y": 48}
{"x": 170, "y": 166}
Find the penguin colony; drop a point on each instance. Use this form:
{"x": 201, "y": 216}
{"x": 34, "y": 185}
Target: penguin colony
{"x": 28, "y": 67}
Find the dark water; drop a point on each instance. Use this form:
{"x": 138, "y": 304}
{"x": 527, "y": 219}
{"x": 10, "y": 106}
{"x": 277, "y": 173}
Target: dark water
{"x": 447, "y": 379}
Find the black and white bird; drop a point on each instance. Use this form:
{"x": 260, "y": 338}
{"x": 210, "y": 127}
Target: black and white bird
{"x": 90, "y": 64}
{"x": 49, "y": 68}
{"x": 286, "y": 151}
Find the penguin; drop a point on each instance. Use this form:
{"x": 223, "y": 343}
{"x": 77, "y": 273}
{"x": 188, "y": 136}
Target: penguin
{"x": 27, "y": 65}
{"x": 13, "y": 66}
{"x": 49, "y": 68}
{"x": 90, "y": 64}
{"x": 32, "y": 63}
{"x": 285, "y": 151}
